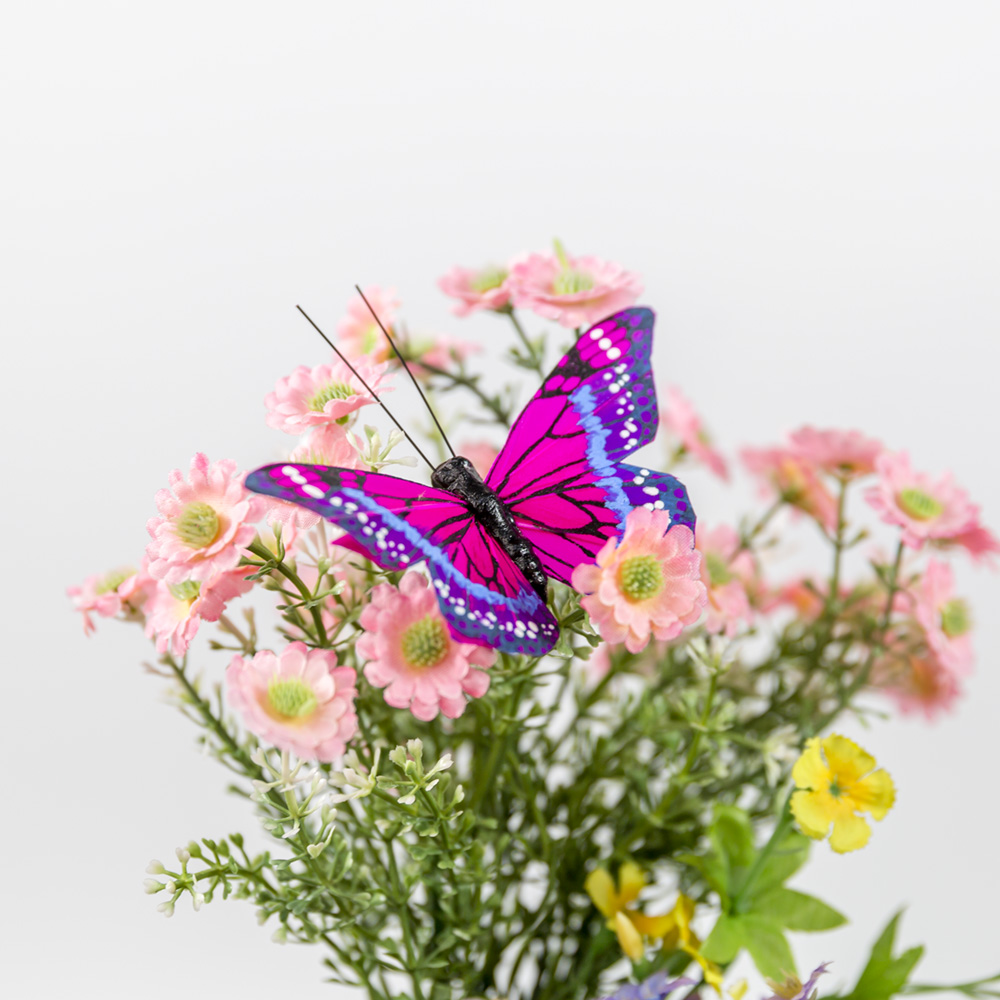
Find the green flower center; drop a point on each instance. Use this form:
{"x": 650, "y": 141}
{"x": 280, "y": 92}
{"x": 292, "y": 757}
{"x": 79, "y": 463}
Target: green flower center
{"x": 718, "y": 569}
{"x": 835, "y": 790}
{"x": 198, "y": 525}
{"x": 955, "y": 618}
{"x": 488, "y": 279}
{"x": 332, "y": 390}
{"x": 186, "y": 591}
{"x": 640, "y": 578}
{"x": 425, "y": 642}
{"x": 290, "y": 697}
{"x": 571, "y": 281}
{"x": 113, "y": 581}
{"x": 919, "y": 505}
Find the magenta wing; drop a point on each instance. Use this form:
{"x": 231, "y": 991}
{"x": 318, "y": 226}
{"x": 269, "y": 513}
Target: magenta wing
{"x": 560, "y": 472}
{"x": 482, "y": 594}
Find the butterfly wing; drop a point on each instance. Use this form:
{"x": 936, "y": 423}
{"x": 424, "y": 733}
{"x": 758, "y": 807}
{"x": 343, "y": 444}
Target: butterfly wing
{"x": 482, "y": 594}
{"x": 560, "y": 472}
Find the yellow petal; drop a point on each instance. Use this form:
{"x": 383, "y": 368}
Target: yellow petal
{"x": 874, "y": 794}
{"x": 601, "y": 889}
{"x": 849, "y": 833}
{"x": 809, "y": 770}
{"x": 738, "y": 990}
{"x": 653, "y": 927}
{"x": 631, "y": 880}
{"x": 711, "y": 973}
{"x": 628, "y": 937}
{"x": 813, "y": 813}
{"x": 846, "y": 759}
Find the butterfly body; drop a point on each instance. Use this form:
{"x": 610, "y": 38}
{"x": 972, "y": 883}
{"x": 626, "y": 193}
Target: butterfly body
{"x": 557, "y": 492}
{"x": 458, "y": 476}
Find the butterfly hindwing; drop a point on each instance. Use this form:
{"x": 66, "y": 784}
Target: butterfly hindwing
{"x": 482, "y": 594}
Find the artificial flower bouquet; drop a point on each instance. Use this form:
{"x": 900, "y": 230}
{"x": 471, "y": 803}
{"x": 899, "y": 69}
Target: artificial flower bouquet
{"x": 533, "y": 731}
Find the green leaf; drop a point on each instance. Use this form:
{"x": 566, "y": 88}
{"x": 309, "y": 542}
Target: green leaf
{"x": 796, "y": 911}
{"x": 725, "y": 941}
{"x": 732, "y": 836}
{"x": 767, "y": 946}
{"x": 884, "y": 975}
{"x": 786, "y": 859}
{"x": 713, "y": 871}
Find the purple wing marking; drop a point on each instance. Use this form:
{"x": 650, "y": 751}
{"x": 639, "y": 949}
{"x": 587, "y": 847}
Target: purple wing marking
{"x": 482, "y": 594}
{"x": 657, "y": 491}
{"x": 560, "y": 471}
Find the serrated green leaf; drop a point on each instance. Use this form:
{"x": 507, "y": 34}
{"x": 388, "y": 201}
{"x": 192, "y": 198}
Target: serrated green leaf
{"x": 725, "y": 941}
{"x": 786, "y": 859}
{"x": 767, "y": 946}
{"x": 797, "y": 911}
{"x": 884, "y": 975}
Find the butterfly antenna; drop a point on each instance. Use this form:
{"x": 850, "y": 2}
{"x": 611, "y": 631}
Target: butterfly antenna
{"x": 392, "y": 344}
{"x": 371, "y": 391}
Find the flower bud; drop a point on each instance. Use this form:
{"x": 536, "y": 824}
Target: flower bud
{"x": 155, "y": 868}
{"x": 183, "y": 855}
{"x": 167, "y": 908}
{"x": 151, "y": 885}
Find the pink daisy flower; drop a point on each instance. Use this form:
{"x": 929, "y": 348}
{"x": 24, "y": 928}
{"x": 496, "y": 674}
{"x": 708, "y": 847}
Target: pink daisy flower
{"x": 485, "y": 288}
{"x": 121, "y": 591}
{"x": 841, "y": 453}
{"x": 727, "y": 573}
{"x": 923, "y": 507}
{"x": 574, "y": 291}
{"x": 328, "y": 444}
{"x": 481, "y": 454}
{"x": 682, "y": 421}
{"x": 647, "y": 586}
{"x": 358, "y": 332}
{"x": 918, "y": 684}
{"x": 412, "y": 654}
{"x": 784, "y": 473}
{"x": 440, "y": 351}
{"x": 300, "y": 701}
{"x": 175, "y": 610}
{"x": 944, "y": 617}
{"x": 312, "y": 397}
{"x": 204, "y": 524}
{"x": 977, "y": 540}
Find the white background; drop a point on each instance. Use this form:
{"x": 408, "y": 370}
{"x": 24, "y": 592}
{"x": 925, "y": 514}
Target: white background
{"x": 809, "y": 190}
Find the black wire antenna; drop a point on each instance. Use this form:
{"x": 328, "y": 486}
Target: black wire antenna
{"x": 416, "y": 384}
{"x": 371, "y": 391}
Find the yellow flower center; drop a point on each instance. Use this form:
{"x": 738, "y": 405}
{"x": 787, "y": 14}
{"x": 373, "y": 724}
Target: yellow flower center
{"x": 112, "y": 581}
{"x": 290, "y": 698}
{"x": 198, "y": 525}
{"x": 718, "y": 569}
{"x": 425, "y": 642}
{"x": 488, "y": 279}
{"x": 332, "y": 390}
{"x": 186, "y": 591}
{"x": 569, "y": 280}
{"x": 640, "y": 578}
{"x": 919, "y": 505}
{"x": 955, "y": 618}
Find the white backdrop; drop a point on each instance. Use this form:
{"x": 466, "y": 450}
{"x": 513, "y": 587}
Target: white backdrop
{"x": 809, "y": 190}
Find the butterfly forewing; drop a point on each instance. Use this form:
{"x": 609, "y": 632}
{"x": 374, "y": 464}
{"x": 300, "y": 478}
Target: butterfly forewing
{"x": 482, "y": 594}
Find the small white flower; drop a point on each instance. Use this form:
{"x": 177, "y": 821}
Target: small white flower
{"x": 197, "y": 898}
{"x": 155, "y": 868}
{"x": 167, "y": 909}
{"x": 151, "y": 886}
{"x": 183, "y": 855}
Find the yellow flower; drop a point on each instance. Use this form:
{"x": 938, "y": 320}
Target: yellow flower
{"x": 613, "y": 902}
{"x": 836, "y": 780}
{"x": 677, "y": 935}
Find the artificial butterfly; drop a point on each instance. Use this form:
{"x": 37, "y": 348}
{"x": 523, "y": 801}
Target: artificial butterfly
{"x": 556, "y": 493}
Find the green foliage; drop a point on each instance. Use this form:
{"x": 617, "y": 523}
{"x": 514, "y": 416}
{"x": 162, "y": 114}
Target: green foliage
{"x": 886, "y": 974}
{"x": 756, "y": 907}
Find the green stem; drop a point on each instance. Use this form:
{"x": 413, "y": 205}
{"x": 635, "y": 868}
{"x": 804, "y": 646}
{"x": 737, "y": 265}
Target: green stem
{"x": 536, "y": 361}
{"x": 500, "y": 414}
{"x": 780, "y": 829}
{"x": 262, "y": 552}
